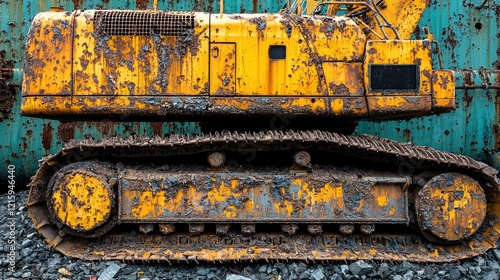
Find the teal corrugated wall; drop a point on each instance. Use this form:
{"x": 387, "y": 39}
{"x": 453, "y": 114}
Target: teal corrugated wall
{"x": 469, "y": 39}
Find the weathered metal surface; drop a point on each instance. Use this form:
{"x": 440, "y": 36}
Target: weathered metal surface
{"x": 81, "y": 196}
{"x": 261, "y": 245}
{"x": 147, "y": 71}
{"x": 468, "y": 34}
{"x": 7, "y": 92}
{"x": 398, "y": 21}
{"x": 21, "y": 143}
{"x": 329, "y": 195}
{"x": 451, "y": 206}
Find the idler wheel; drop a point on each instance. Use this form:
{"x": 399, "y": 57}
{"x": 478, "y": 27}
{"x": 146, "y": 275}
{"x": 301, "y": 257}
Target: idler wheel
{"x": 450, "y": 206}
{"x": 80, "y": 198}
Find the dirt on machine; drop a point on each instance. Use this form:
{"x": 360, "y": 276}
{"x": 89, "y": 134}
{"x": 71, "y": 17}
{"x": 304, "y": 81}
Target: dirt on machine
{"x": 246, "y": 189}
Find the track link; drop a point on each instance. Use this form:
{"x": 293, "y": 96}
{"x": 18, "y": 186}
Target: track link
{"x": 279, "y": 246}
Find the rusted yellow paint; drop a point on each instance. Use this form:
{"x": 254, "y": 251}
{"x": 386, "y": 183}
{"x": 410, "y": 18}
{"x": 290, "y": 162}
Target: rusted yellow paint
{"x": 392, "y": 210}
{"x": 320, "y": 69}
{"x": 337, "y": 106}
{"x": 130, "y": 65}
{"x": 81, "y": 201}
{"x": 399, "y": 104}
{"x": 342, "y": 78}
{"x": 453, "y": 207}
{"x": 297, "y": 73}
{"x": 48, "y": 55}
{"x": 400, "y": 52}
{"x": 457, "y": 206}
{"x": 223, "y": 69}
{"x": 443, "y": 90}
{"x": 311, "y": 4}
{"x": 382, "y": 200}
{"x": 404, "y": 15}
{"x": 228, "y": 200}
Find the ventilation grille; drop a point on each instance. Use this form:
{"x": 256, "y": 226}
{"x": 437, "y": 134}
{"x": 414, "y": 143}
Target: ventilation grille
{"x": 394, "y": 77}
{"x": 122, "y": 23}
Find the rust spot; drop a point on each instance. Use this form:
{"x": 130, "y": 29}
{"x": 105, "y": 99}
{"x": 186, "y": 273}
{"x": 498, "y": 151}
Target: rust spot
{"x": 467, "y": 99}
{"x": 255, "y": 5}
{"x": 7, "y": 93}
{"x": 77, "y": 4}
{"x": 261, "y": 24}
{"x": 407, "y": 134}
{"x": 103, "y": 127}
{"x": 338, "y": 89}
{"x": 157, "y": 128}
{"x": 66, "y": 131}
{"x": 450, "y": 39}
{"x": 447, "y": 132}
{"x": 142, "y": 4}
{"x": 47, "y": 136}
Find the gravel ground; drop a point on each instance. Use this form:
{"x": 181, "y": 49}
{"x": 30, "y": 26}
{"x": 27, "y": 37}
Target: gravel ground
{"x": 36, "y": 260}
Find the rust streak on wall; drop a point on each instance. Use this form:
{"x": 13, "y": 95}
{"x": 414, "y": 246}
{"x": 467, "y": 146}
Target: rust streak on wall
{"x": 157, "y": 128}
{"x": 77, "y": 4}
{"x": 142, "y": 4}
{"x": 47, "y": 136}
{"x": 66, "y": 131}
{"x": 7, "y": 94}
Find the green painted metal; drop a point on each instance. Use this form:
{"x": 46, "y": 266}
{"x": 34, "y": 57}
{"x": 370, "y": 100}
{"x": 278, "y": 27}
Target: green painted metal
{"x": 468, "y": 35}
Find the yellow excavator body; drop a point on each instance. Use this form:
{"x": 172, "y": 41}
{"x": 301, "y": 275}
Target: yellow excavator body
{"x": 110, "y": 63}
{"x": 248, "y": 195}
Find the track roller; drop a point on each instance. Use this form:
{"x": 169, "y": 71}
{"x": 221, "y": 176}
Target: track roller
{"x": 248, "y": 229}
{"x": 289, "y": 228}
{"x": 367, "y": 229}
{"x": 221, "y": 229}
{"x": 146, "y": 228}
{"x": 302, "y": 159}
{"x": 314, "y": 229}
{"x": 167, "y": 228}
{"x": 346, "y": 229}
{"x": 216, "y": 159}
{"x": 196, "y": 228}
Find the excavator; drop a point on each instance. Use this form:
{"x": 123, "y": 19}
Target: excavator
{"x": 276, "y": 173}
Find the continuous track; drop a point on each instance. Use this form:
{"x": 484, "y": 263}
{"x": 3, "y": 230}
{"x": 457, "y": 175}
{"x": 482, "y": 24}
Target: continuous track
{"x": 262, "y": 245}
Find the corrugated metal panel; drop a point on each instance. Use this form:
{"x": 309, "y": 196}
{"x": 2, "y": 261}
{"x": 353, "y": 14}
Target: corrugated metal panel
{"x": 469, "y": 39}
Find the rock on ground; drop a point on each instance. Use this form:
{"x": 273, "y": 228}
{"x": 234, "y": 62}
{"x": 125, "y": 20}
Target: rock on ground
{"x": 36, "y": 260}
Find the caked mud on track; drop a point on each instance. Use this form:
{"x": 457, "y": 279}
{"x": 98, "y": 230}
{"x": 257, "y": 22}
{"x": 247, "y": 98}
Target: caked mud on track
{"x": 136, "y": 230}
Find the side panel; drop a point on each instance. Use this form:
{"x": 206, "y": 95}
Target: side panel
{"x": 292, "y": 56}
{"x": 223, "y": 69}
{"x": 50, "y": 34}
{"x": 116, "y": 53}
{"x": 155, "y": 64}
{"x": 397, "y": 77}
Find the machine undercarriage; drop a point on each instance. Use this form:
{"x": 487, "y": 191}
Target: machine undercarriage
{"x": 307, "y": 195}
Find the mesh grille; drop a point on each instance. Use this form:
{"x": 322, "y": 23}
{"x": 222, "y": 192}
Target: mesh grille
{"x": 126, "y": 23}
